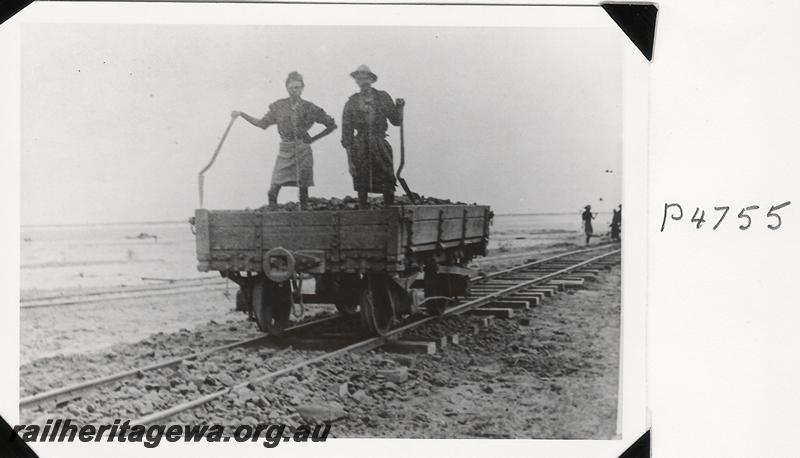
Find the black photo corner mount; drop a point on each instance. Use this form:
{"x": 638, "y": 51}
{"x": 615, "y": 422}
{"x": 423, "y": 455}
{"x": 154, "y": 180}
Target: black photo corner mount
{"x": 11, "y": 445}
{"x": 640, "y": 448}
{"x": 638, "y": 21}
{"x": 9, "y": 8}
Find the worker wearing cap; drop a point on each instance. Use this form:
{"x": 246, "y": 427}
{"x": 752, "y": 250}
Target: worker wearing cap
{"x": 294, "y": 116}
{"x": 364, "y": 125}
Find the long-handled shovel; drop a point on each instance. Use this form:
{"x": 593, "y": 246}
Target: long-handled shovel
{"x": 200, "y": 177}
{"x": 412, "y": 196}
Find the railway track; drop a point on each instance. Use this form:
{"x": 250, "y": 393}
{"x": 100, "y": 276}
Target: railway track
{"x": 136, "y": 292}
{"x": 173, "y": 287}
{"x": 498, "y": 294}
{"x": 68, "y": 391}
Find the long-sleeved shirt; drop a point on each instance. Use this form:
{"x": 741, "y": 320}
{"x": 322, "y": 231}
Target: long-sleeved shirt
{"x": 295, "y": 118}
{"x": 366, "y": 113}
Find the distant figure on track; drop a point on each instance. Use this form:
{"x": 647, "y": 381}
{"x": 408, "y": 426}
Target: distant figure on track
{"x": 294, "y": 116}
{"x": 587, "y": 218}
{"x": 364, "y": 125}
{"x": 616, "y": 224}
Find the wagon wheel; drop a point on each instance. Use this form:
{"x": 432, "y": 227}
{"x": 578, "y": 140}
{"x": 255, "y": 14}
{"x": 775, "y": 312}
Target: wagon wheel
{"x": 437, "y": 287}
{"x": 377, "y": 311}
{"x": 347, "y": 290}
{"x": 272, "y": 305}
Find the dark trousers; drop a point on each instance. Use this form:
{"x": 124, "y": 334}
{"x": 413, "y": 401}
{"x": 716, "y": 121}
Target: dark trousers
{"x": 363, "y": 199}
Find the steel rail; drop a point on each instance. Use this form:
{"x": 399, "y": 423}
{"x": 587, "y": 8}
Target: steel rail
{"x": 481, "y": 277}
{"x": 179, "y": 283}
{"x": 369, "y": 343}
{"x": 461, "y": 308}
{"x": 125, "y": 295}
{"x": 82, "y": 386}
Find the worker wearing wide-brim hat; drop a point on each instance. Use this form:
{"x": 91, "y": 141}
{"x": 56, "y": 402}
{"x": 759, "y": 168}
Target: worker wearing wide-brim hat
{"x": 364, "y": 70}
{"x": 294, "y": 165}
{"x": 364, "y": 126}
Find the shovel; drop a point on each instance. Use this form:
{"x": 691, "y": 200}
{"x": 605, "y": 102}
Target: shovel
{"x": 200, "y": 176}
{"x": 412, "y": 196}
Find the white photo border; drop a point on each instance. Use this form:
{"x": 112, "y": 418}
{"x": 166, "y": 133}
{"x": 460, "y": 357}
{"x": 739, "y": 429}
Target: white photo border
{"x": 632, "y": 419}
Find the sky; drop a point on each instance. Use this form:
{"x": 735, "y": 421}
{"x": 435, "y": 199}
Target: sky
{"x": 117, "y": 120}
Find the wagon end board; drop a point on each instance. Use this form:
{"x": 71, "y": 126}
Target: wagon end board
{"x": 236, "y": 240}
{"x": 202, "y": 243}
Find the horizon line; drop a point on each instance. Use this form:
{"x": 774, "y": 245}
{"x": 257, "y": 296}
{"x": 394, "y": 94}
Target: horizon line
{"x": 123, "y": 223}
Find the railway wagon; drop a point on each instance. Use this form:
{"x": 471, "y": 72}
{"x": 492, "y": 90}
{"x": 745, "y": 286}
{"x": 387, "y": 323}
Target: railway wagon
{"x": 382, "y": 264}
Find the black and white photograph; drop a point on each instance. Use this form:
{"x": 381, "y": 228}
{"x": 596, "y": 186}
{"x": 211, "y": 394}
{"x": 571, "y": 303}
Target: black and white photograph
{"x": 276, "y": 232}
{"x": 374, "y": 228}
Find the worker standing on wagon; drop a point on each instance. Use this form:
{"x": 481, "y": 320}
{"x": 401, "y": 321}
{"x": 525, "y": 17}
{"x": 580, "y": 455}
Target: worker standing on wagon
{"x": 364, "y": 125}
{"x": 587, "y": 218}
{"x": 294, "y": 116}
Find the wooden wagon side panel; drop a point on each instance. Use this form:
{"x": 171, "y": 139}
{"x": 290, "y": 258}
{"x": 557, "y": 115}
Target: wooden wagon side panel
{"x": 347, "y": 230}
{"x": 231, "y": 237}
{"x": 445, "y": 226}
{"x": 352, "y": 240}
{"x": 243, "y": 238}
{"x": 285, "y": 220}
{"x": 355, "y": 238}
{"x": 239, "y": 260}
{"x": 226, "y": 218}
{"x": 362, "y": 240}
{"x": 293, "y": 237}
